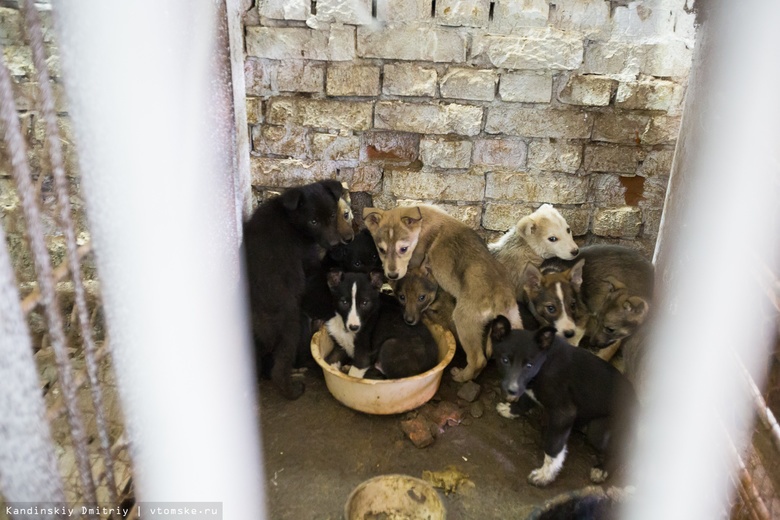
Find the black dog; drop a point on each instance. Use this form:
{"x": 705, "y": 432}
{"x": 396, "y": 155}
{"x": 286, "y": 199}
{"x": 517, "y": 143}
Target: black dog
{"x": 282, "y": 242}
{"x": 575, "y": 389}
{"x": 369, "y": 328}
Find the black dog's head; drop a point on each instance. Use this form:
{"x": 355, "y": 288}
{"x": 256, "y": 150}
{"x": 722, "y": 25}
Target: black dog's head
{"x": 519, "y": 354}
{"x": 359, "y": 256}
{"x": 313, "y": 210}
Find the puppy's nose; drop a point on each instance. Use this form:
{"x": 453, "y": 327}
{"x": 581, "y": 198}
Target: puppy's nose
{"x": 354, "y": 328}
{"x": 410, "y": 320}
{"x": 392, "y": 276}
{"x": 575, "y": 251}
{"x": 568, "y": 333}
{"x": 347, "y": 240}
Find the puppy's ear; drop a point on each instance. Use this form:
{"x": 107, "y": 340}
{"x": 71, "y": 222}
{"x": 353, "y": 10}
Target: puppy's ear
{"x": 532, "y": 278}
{"x": 545, "y": 337}
{"x": 377, "y": 279}
{"x": 333, "y": 187}
{"x": 372, "y": 217}
{"x": 499, "y": 329}
{"x": 334, "y": 277}
{"x": 292, "y": 199}
{"x": 615, "y": 283}
{"x": 576, "y": 274}
{"x": 425, "y": 267}
{"x": 526, "y": 226}
{"x": 411, "y": 216}
{"x": 637, "y": 306}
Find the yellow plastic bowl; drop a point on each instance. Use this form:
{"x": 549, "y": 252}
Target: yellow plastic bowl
{"x": 385, "y": 396}
{"x": 394, "y": 496}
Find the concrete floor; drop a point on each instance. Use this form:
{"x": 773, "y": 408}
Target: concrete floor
{"x": 316, "y": 451}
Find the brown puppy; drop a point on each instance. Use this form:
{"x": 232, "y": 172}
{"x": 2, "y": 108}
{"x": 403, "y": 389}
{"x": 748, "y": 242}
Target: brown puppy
{"x": 423, "y": 299}
{"x": 461, "y": 264}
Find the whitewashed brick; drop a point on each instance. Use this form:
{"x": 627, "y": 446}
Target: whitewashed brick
{"x": 354, "y": 12}
{"x": 445, "y": 153}
{"x": 330, "y": 147}
{"x": 509, "y": 15}
{"x": 590, "y": 18}
{"x": 544, "y": 49}
{"x": 649, "y": 94}
{"x": 409, "y": 79}
{"x": 403, "y": 10}
{"x": 625, "y": 222}
{"x": 352, "y": 80}
{"x": 11, "y": 26}
{"x": 450, "y": 118}
{"x": 337, "y": 115}
{"x": 471, "y": 13}
{"x": 500, "y": 216}
{"x": 535, "y": 122}
{"x": 587, "y": 90}
{"x": 614, "y": 58}
{"x": 669, "y": 59}
{"x": 612, "y": 159}
{"x": 507, "y": 152}
{"x": 608, "y": 189}
{"x": 556, "y": 157}
{"x": 635, "y": 128}
{"x": 411, "y": 44}
{"x": 440, "y": 186}
{"x": 655, "y": 163}
{"x": 289, "y": 43}
{"x": 364, "y": 177}
{"x": 526, "y": 87}
{"x": 18, "y": 59}
{"x": 639, "y": 20}
{"x": 284, "y": 9}
{"x": 578, "y": 219}
{"x": 290, "y": 141}
{"x": 555, "y": 188}
{"x": 268, "y": 77}
{"x": 254, "y": 111}
{"x": 273, "y": 172}
{"x": 474, "y": 84}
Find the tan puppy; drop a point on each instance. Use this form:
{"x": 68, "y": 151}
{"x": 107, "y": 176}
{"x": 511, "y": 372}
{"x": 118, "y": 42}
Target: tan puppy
{"x": 423, "y": 299}
{"x": 458, "y": 260}
{"x": 542, "y": 234}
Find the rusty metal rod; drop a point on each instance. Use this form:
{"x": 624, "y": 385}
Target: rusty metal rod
{"x": 17, "y": 150}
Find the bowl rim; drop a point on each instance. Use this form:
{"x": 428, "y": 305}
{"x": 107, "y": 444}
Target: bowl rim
{"x": 440, "y": 366}
{"x": 401, "y": 476}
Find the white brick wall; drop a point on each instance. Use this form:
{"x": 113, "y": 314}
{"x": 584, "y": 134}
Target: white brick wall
{"x": 489, "y": 107}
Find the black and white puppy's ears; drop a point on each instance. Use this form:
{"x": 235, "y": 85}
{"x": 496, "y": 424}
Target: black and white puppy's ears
{"x": 544, "y": 337}
{"x": 500, "y": 329}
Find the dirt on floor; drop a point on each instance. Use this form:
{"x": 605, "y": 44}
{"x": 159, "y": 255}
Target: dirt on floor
{"x": 316, "y": 451}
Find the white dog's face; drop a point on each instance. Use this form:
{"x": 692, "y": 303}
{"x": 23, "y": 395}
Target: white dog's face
{"x": 550, "y": 235}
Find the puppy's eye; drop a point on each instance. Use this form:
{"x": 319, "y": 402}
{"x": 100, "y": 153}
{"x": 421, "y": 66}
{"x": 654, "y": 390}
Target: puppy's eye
{"x": 552, "y": 239}
{"x": 401, "y": 298}
{"x": 551, "y": 309}
{"x": 364, "y": 303}
{"x": 314, "y": 222}
{"x": 573, "y": 305}
{"x": 382, "y": 250}
{"x": 403, "y": 249}
{"x": 358, "y": 263}
{"x": 568, "y": 230}
{"x": 609, "y": 330}
{"x": 333, "y": 215}
{"x": 343, "y": 301}
{"x": 346, "y": 215}
{"x": 505, "y": 360}
{"x": 529, "y": 365}
{"x": 421, "y": 298}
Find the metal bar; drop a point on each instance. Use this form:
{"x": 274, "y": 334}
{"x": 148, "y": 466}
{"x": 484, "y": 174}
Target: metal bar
{"x": 17, "y": 150}
{"x": 35, "y": 34}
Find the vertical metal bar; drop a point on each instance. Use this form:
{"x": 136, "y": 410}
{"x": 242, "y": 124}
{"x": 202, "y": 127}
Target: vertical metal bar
{"x": 17, "y": 150}
{"x": 28, "y": 465}
{"x": 162, "y": 211}
{"x": 35, "y": 35}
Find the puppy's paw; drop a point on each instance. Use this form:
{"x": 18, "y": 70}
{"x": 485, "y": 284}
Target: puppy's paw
{"x": 540, "y": 477}
{"x": 598, "y": 475}
{"x": 336, "y": 365}
{"x": 505, "y": 410}
{"x": 461, "y": 375}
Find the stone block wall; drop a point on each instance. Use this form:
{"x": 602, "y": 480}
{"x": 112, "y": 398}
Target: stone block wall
{"x": 489, "y": 108}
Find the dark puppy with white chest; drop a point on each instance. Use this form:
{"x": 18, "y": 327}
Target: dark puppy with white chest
{"x": 370, "y": 330}
{"x": 575, "y": 389}
{"x": 282, "y": 242}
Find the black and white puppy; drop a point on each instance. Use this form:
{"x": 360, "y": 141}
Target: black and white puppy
{"x": 370, "y": 329}
{"x": 575, "y": 389}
